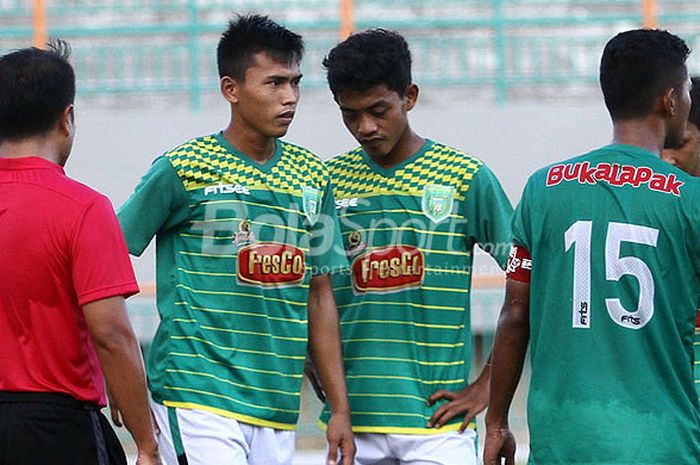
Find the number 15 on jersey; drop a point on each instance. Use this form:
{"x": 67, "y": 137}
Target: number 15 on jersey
{"x": 579, "y": 236}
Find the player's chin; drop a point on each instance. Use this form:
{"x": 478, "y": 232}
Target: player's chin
{"x": 374, "y": 151}
{"x": 278, "y": 131}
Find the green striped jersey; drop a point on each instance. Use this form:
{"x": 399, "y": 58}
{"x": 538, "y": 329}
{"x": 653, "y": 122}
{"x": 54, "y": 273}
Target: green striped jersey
{"x": 614, "y": 237}
{"x": 409, "y": 232}
{"x": 236, "y": 246}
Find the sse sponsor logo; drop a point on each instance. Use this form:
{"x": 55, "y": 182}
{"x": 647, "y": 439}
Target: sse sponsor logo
{"x": 271, "y": 264}
{"x": 615, "y": 175}
{"x": 345, "y": 203}
{"x": 387, "y": 269}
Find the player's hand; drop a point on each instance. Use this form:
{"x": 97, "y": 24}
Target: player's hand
{"x": 312, "y": 374}
{"x": 116, "y": 414}
{"x": 500, "y": 444}
{"x": 148, "y": 458}
{"x": 341, "y": 442}
{"x": 469, "y": 402}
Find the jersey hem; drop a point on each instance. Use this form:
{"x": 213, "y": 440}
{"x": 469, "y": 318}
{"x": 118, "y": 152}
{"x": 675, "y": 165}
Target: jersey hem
{"x": 236, "y": 416}
{"x": 402, "y": 430}
{"x": 125, "y": 290}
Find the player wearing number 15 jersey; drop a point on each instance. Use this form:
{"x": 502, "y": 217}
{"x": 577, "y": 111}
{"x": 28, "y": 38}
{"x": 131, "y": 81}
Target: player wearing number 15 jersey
{"x": 603, "y": 281}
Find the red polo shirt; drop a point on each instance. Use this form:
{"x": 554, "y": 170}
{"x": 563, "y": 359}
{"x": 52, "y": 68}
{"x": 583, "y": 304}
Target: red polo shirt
{"x": 61, "y": 247}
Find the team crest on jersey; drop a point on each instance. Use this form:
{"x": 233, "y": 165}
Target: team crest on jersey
{"x": 355, "y": 243}
{"x": 437, "y": 202}
{"x": 311, "y": 201}
{"x": 244, "y": 234}
{"x": 271, "y": 264}
{"x": 388, "y": 269}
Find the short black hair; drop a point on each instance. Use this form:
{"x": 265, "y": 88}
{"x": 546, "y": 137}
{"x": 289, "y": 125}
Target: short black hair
{"x": 694, "y": 115}
{"x": 36, "y": 86}
{"x": 637, "y": 67}
{"x": 251, "y": 34}
{"x": 367, "y": 59}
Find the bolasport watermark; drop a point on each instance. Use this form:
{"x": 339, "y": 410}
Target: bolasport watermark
{"x": 226, "y": 228}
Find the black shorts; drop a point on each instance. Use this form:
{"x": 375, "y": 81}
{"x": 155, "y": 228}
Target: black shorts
{"x": 55, "y": 429}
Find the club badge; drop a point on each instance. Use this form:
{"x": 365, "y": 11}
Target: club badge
{"x": 311, "y": 202}
{"x": 437, "y": 202}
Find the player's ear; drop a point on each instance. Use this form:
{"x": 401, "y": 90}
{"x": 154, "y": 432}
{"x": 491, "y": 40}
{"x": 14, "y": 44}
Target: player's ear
{"x": 66, "y": 122}
{"x": 229, "y": 89}
{"x": 410, "y": 96}
{"x": 669, "y": 103}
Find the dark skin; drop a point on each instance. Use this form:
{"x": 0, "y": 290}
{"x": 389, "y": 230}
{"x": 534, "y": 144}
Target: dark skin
{"x": 378, "y": 119}
{"x": 324, "y": 349}
{"x": 469, "y": 402}
{"x": 662, "y": 127}
{"x": 509, "y": 348}
{"x": 263, "y": 104}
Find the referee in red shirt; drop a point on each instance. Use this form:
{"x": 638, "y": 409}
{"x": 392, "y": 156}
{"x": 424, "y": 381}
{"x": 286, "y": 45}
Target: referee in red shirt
{"x": 64, "y": 275}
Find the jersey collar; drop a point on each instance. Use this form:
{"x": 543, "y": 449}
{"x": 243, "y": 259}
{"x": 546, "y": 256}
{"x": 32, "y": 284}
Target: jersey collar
{"x": 29, "y": 163}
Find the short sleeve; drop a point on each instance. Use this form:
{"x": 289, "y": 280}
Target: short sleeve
{"x": 157, "y": 202}
{"x": 489, "y": 212}
{"x": 521, "y": 224}
{"x": 327, "y": 254}
{"x": 100, "y": 263}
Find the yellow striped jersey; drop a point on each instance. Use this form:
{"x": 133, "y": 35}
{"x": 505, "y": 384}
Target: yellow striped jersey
{"x": 409, "y": 232}
{"x": 237, "y": 244}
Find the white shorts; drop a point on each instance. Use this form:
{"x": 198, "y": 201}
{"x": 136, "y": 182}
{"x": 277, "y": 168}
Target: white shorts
{"x": 206, "y": 438}
{"x": 451, "y": 448}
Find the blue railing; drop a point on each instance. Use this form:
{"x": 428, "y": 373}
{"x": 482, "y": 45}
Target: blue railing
{"x": 506, "y": 47}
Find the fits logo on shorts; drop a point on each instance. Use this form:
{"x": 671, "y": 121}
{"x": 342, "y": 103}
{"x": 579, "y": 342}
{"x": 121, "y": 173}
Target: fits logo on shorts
{"x": 388, "y": 269}
{"x": 271, "y": 264}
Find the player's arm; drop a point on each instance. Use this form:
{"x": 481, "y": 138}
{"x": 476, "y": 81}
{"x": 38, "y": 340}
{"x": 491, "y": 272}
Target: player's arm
{"x": 509, "y": 348}
{"x": 488, "y": 214}
{"x": 312, "y": 375}
{"x": 120, "y": 357}
{"x": 102, "y": 278}
{"x": 326, "y": 354}
{"x": 158, "y": 202}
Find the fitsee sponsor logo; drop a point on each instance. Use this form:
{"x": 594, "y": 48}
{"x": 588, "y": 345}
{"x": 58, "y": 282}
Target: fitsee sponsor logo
{"x": 222, "y": 188}
{"x": 271, "y": 264}
{"x": 615, "y": 175}
{"x": 388, "y": 268}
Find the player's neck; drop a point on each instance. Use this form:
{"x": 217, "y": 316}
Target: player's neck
{"x": 640, "y": 133}
{"x": 409, "y": 144}
{"x": 255, "y": 146}
{"x": 42, "y": 147}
